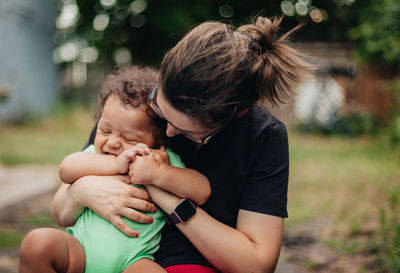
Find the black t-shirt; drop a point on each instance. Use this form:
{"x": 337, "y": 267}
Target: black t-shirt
{"x": 247, "y": 164}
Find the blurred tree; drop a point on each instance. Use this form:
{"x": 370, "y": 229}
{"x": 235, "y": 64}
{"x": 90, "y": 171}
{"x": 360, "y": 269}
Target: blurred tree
{"x": 142, "y": 30}
{"x": 378, "y": 34}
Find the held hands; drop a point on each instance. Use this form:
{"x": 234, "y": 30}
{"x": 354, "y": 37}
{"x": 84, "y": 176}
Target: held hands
{"x": 161, "y": 156}
{"x": 145, "y": 169}
{"x": 142, "y": 163}
{"x": 128, "y": 156}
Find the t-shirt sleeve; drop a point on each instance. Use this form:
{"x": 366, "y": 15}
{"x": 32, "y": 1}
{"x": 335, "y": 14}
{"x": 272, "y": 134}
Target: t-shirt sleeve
{"x": 266, "y": 188}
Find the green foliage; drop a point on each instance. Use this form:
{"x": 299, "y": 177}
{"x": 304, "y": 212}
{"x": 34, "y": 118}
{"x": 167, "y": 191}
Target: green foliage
{"x": 350, "y": 124}
{"x": 148, "y": 32}
{"x": 395, "y": 124}
{"x": 378, "y": 35}
{"x": 390, "y": 234}
{"x": 395, "y": 129}
{"x": 161, "y": 24}
{"x": 355, "y": 124}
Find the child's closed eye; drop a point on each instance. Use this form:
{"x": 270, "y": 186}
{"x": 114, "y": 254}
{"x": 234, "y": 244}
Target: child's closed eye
{"x": 130, "y": 141}
{"x": 105, "y": 131}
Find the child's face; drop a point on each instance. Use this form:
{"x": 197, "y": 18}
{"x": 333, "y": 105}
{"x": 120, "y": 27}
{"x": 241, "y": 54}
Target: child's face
{"x": 122, "y": 127}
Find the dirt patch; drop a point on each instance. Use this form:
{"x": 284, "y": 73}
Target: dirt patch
{"x": 308, "y": 245}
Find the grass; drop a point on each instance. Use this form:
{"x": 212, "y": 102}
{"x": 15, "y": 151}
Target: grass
{"x": 45, "y": 141}
{"x": 343, "y": 246}
{"x": 345, "y": 182}
{"x": 342, "y": 179}
{"x": 10, "y": 238}
{"x": 41, "y": 220}
{"x": 310, "y": 265}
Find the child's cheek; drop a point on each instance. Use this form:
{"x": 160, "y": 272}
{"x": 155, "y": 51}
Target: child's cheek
{"x": 97, "y": 144}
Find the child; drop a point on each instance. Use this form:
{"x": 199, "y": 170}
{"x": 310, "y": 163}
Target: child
{"x": 126, "y": 129}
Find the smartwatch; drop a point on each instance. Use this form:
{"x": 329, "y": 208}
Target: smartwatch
{"x": 183, "y": 212}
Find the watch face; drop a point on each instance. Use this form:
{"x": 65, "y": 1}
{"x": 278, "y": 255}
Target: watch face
{"x": 185, "y": 210}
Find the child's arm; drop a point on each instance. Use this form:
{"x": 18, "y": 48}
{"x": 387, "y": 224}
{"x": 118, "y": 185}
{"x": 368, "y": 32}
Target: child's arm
{"x": 185, "y": 183}
{"x": 80, "y": 164}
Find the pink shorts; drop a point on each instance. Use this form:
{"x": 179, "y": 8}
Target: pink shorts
{"x": 190, "y": 268}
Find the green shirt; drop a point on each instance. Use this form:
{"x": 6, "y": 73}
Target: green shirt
{"x": 109, "y": 250}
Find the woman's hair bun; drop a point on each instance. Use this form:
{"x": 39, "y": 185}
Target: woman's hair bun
{"x": 267, "y": 33}
{"x": 263, "y": 33}
{"x": 278, "y": 66}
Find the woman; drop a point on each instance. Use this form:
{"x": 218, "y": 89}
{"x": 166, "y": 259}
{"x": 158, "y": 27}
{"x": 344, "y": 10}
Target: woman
{"x": 209, "y": 86}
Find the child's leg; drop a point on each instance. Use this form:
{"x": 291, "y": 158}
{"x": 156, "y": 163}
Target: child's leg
{"x": 144, "y": 266}
{"x": 48, "y": 250}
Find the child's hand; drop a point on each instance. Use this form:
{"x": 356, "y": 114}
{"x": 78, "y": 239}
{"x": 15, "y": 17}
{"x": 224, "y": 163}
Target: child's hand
{"x": 125, "y": 158}
{"x": 144, "y": 170}
{"x": 161, "y": 156}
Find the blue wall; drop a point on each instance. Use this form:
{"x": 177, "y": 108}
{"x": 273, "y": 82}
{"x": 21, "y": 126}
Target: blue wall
{"x": 28, "y": 80}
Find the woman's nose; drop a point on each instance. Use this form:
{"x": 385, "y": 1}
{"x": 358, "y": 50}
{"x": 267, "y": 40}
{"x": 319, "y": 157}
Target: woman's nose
{"x": 171, "y": 131}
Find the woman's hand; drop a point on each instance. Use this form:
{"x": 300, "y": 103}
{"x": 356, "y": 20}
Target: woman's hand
{"x": 110, "y": 197}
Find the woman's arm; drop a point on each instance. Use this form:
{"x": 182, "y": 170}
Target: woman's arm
{"x": 254, "y": 245}
{"x": 63, "y": 208}
{"x": 109, "y": 196}
{"x": 186, "y": 183}
{"x": 183, "y": 182}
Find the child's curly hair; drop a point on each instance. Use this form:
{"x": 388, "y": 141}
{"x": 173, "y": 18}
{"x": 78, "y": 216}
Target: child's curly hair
{"x": 132, "y": 84}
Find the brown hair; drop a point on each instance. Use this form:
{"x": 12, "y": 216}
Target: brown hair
{"x": 132, "y": 85}
{"x": 215, "y": 71}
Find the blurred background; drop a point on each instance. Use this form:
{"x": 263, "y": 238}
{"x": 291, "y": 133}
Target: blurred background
{"x": 343, "y": 122}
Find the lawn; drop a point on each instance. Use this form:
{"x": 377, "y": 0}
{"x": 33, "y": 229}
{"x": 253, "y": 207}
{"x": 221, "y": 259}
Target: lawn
{"x": 346, "y": 180}
{"x": 46, "y": 141}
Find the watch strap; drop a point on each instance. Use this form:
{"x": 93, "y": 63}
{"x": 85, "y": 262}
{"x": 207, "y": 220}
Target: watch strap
{"x": 173, "y": 218}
